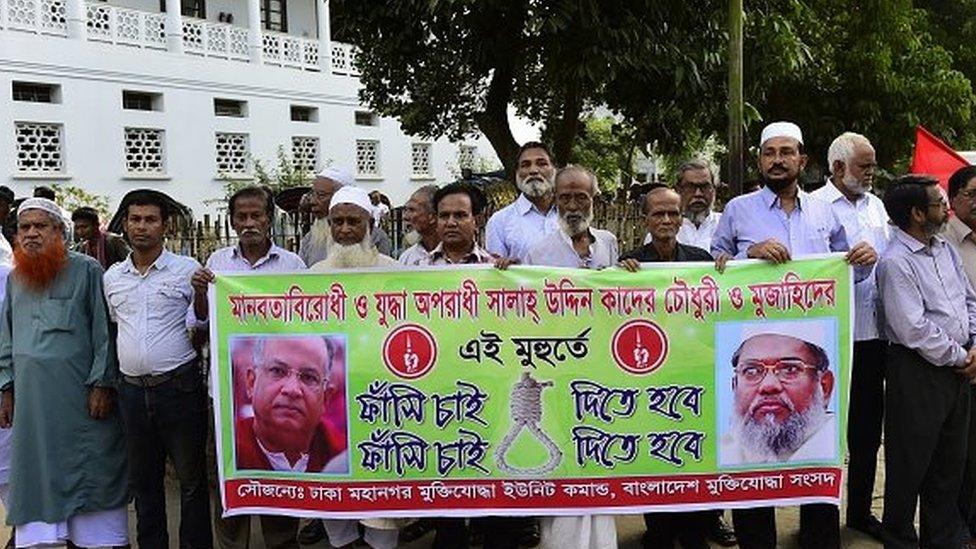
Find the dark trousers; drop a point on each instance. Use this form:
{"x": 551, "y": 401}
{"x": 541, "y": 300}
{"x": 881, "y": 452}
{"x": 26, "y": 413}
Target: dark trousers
{"x": 502, "y": 532}
{"x": 967, "y": 492}
{"x": 688, "y": 529}
{"x": 169, "y": 419}
{"x": 819, "y": 527}
{"x": 926, "y": 429}
{"x": 450, "y": 533}
{"x": 865, "y": 417}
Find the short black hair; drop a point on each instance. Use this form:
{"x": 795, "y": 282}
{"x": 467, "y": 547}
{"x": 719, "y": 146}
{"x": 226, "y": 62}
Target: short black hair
{"x": 252, "y": 191}
{"x": 959, "y": 179}
{"x": 45, "y": 192}
{"x": 85, "y": 213}
{"x": 905, "y": 193}
{"x": 533, "y": 145}
{"x": 150, "y": 199}
{"x": 6, "y": 194}
{"x": 477, "y": 197}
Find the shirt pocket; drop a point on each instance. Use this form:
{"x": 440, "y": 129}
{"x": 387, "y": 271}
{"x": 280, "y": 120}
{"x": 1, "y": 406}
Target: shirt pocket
{"x": 57, "y": 315}
{"x": 817, "y": 237}
{"x": 168, "y": 299}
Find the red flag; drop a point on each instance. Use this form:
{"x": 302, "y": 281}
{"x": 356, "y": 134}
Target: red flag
{"x": 933, "y": 157}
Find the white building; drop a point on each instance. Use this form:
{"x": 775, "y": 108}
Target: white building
{"x": 121, "y": 94}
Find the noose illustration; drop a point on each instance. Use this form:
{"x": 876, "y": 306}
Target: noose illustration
{"x": 526, "y": 412}
{"x": 641, "y": 355}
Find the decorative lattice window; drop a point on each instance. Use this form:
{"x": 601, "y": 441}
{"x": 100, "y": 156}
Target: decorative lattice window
{"x": 232, "y": 150}
{"x": 305, "y": 152}
{"x": 39, "y": 147}
{"x": 466, "y": 156}
{"x": 367, "y": 157}
{"x": 144, "y": 151}
{"x": 420, "y": 159}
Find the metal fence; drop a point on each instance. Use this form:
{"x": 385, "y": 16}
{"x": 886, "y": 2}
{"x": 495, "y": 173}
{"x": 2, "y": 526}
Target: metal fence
{"x": 199, "y": 239}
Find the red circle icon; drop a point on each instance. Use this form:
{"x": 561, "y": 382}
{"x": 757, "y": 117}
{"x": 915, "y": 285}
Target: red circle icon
{"x": 639, "y": 346}
{"x": 409, "y": 351}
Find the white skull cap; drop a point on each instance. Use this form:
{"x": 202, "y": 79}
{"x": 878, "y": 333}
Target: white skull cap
{"x": 811, "y": 331}
{"x": 352, "y": 195}
{"x": 37, "y": 203}
{"x": 781, "y": 129}
{"x": 340, "y": 176}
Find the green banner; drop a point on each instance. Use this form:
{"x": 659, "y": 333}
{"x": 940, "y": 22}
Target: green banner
{"x": 473, "y": 391}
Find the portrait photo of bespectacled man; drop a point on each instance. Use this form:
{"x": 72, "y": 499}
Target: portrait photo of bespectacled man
{"x": 777, "y": 384}
{"x": 290, "y": 415}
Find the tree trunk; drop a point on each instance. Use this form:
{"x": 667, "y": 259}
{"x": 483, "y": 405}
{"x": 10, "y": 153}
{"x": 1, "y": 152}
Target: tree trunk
{"x": 493, "y": 121}
{"x": 568, "y": 126}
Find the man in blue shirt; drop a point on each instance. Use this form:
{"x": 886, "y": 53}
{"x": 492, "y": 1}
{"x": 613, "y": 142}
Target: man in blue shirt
{"x": 929, "y": 313}
{"x": 776, "y": 223}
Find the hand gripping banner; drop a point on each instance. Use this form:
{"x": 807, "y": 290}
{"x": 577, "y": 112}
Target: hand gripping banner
{"x": 535, "y": 391}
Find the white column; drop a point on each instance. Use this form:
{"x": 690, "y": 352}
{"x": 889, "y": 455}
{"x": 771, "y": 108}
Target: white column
{"x": 255, "y": 40}
{"x": 76, "y": 19}
{"x": 174, "y": 26}
{"x": 325, "y": 35}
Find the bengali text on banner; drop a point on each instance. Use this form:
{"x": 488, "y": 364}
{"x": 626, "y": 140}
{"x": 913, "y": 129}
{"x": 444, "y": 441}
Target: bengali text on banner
{"x": 475, "y": 391}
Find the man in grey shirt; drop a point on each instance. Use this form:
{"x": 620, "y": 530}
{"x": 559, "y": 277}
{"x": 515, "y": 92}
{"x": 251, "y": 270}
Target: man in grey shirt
{"x": 929, "y": 317}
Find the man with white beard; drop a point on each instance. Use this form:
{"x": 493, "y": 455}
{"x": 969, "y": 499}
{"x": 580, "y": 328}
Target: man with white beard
{"x": 779, "y": 413}
{"x": 696, "y": 187}
{"x": 513, "y": 230}
{"x": 351, "y": 227}
{"x": 576, "y": 245}
{"x": 317, "y": 242}
{"x": 350, "y": 221}
{"x": 852, "y": 163}
{"x": 419, "y": 214}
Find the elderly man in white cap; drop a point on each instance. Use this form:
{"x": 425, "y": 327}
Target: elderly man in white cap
{"x": 58, "y": 372}
{"x": 317, "y": 242}
{"x": 351, "y": 228}
{"x": 777, "y": 223}
{"x": 351, "y": 222}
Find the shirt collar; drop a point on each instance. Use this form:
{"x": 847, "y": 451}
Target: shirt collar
{"x": 523, "y": 206}
{"x": 279, "y": 462}
{"x": 958, "y": 229}
{"x": 912, "y": 243}
{"x": 476, "y": 255}
{"x": 161, "y": 263}
{"x": 770, "y": 198}
{"x": 273, "y": 252}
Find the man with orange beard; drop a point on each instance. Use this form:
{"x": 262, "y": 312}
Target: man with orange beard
{"x": 58, "y": 370}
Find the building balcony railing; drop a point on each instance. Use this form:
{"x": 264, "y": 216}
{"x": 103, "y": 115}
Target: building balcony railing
{"x": 142, "y": 29}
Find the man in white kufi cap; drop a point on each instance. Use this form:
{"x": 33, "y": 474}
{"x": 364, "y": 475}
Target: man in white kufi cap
{"x": 58, "y": 373}
{"x": 777, "y": 223}
{"x": 317, "y": 242}
{"x": 350, "y": 221}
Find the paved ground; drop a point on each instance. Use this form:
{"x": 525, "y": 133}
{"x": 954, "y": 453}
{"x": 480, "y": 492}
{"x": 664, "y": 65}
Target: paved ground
{"x": 629, "y": 528}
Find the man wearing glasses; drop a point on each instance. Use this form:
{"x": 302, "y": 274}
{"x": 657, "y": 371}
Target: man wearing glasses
{"x": 781, "y": 387}
{"x": 696, "y": 186}
{"x": 930, "y": 321}
{"x": 287, "y": 384}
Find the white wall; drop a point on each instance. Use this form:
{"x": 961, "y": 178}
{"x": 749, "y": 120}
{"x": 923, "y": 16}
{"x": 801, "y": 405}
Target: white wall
{"x": 92, "y": 77}
{"x": 301, "y": 13}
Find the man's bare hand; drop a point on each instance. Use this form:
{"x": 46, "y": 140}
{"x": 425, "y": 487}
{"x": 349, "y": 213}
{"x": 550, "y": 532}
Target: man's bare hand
{"x": 6, "y": 409}
{"x": 631, "y": 265}
{"x": 770, "y": 250}
{"x": 101, "y": 400}
{"x": 503, "y": 263}
{"x": 721, "y": 260}
{"x": 862, "y": 255}
{"x": 968, "y": 369}
{"x": 201, "y": 279}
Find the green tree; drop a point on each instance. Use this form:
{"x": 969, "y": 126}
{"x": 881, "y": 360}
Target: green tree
{"x": 452, "y": 67}
{"x": 606, "y": 147}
